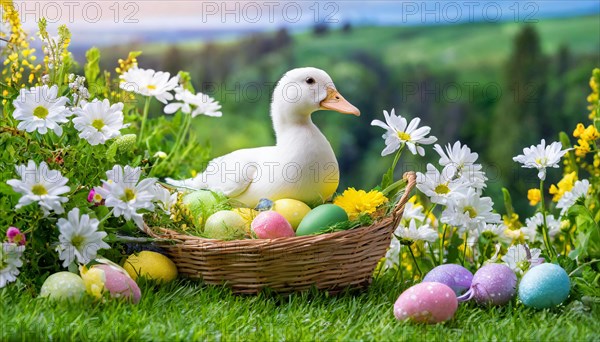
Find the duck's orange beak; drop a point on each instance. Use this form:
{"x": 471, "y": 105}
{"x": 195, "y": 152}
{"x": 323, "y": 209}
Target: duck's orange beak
{"x": 335, "y": 101}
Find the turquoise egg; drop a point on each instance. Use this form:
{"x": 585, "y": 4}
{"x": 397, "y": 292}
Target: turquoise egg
{"x": 544, "y": 286}
{"x": 321, "y": 217}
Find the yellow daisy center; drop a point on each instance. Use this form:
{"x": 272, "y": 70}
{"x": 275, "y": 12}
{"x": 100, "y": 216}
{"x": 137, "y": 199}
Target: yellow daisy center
{"x": 98, "y": 124}
{"x": 40, "y": 112}
{"x": 442, "y": 189}
{"x": 151, "y": 87}
{"x": 471, "y": 211}
{"x": 128, "y": 195}
{"x": 39, "y": 190}
{"x": 77, "y": 241}
{"x": 404, "y": 136}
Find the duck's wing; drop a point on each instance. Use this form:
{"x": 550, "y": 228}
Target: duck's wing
{"x": 230, "y": 174}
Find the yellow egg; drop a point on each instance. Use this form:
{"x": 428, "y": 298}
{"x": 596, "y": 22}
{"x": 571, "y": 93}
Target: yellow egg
{"x": 293, "y": 210}
{"x": 151, "y": 265}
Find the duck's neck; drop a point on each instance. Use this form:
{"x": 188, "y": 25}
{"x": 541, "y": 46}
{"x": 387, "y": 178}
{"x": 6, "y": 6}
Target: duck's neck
{"x": 289, "y": 121}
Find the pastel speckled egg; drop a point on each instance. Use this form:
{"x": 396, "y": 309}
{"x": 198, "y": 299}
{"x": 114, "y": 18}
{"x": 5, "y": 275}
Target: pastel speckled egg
{"x": 63, "y": 285}
{"x": 426, "y": 303}
{"x": 293, "y": 210}
{"x": 225, "y": 225}
{"x": 455, "y": 276}
{"x": 544, "y": 286}
{"x": 271, "y": 225}
{"x": 494, "y": 284}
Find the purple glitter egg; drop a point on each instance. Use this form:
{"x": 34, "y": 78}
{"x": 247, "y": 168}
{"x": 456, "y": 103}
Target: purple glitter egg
{"x": 494, "y": 284}
{"x": 454, "y": 276}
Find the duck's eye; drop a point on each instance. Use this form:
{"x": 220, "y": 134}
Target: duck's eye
{"x": 310, "y": 80}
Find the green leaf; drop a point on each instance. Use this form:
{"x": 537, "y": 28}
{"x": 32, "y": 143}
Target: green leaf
{"x": 508, "y": 202}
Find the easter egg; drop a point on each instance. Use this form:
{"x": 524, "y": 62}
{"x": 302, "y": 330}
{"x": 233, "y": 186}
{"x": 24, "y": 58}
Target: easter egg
{"x": 293, "y": 210}
{"x": 151, "y": 265}
{"x": 225, "y": 225}
{"x": 320, "y": 218}
{"x": 200, "y": 202}
{"x": 426, "y": 303}
{"x": 454, "y": 276}
{"x": 118, "y": 283}
{"x": 544, "y": 286}
{"x": 494, "y": 284}
{"x": 271, "y": 225}
{"x": 63, "y": 285}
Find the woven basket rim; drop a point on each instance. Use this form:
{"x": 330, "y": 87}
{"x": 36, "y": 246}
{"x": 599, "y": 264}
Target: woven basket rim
{"x": 392, "y": 218}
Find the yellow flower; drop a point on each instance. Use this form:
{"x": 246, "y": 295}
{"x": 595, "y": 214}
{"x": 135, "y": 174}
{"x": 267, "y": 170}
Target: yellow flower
{"x": 512, "y": 222}
{"x": 579, "y": 130}
{"x": 356, "y": 202}
{"x": 582, "y": 149}
{"x": 590, "y": 134}
{"x": 534, "y": 196}
{"x": 564, "y": 185}
{"x": 93, "y": 279}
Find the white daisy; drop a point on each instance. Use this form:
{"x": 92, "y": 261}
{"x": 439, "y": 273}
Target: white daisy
{"x": 494, "y": 231}
{"x": 410, "y": 234}
{"x": 79, "y": 238}
{"x": 533, "y": 223}
{"x": 439, "y": 187}
{"x": 520, "y": 258}
{"x": 457, "y": 155}
{"x": 580, "y": 189}
{"x": 125, "y": 195}
{"x": 10, "y": 261}
{"x": 468, "y": 210}
{"x": 164, "y": 198}
{"x": 98, "y": 121}
{"x": 399, "y": 131}
{"x": 392, "y": 256}
{"x": 39, "y": 109}
{"x": 541, "y": 157}
{"x": 148, "y": 82}
{"x": 41, "y": 185}
{"x": 413, "y": 212}
{"x": 193, "y": 104}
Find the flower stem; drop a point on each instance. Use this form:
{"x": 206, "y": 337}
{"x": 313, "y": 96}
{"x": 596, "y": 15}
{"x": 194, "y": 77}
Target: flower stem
{"x": 182, "y": 133}
{"x": 442, "y": 245}
{"x": 414, "y": 260}
{"x": 106, "y": 216}
{"x": 144, "y": 118}
{"x": 546, "y": 237}
{"x": 462, "y": 262}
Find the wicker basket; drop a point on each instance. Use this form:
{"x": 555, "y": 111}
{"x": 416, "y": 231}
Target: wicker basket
{"x": 330, "y": 262}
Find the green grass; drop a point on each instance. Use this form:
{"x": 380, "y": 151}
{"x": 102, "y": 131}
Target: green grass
{"x": 187, "y": 311}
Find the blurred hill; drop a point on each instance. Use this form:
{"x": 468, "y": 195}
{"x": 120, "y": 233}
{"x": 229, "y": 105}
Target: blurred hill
{"x": 497, "y": 87}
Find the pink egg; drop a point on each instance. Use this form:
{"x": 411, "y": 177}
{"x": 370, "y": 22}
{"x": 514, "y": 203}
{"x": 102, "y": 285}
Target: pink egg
{"x": 426, "y": 303}
{"x": 271, "y": 225}
{"x": 119, "y": 283}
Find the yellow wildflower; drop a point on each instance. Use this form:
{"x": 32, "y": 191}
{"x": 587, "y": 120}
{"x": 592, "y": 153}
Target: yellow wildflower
{"x": 593, "y": 99}
{"x": 356, "y": 202}
{"x": 534, "y": 196}
{"x": 583, "y": 148}
{"x": 564, "y": 185}
{"x": 590, "y": 134}
{"x": 579, "y": 130}
{"x": 512, "y": 222}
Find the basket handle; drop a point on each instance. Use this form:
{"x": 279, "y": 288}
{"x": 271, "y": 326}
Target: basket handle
{"x": 398, "y": 210}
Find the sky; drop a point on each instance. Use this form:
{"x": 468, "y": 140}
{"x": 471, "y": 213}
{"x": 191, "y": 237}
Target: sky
{"x": 106, "y": 20}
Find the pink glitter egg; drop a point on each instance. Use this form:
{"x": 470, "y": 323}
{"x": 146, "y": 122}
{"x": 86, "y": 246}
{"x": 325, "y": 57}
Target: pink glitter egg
{"x": 426, "y": 303}
{"x": 271, "y": 225}
{"x": 494, "y": 284}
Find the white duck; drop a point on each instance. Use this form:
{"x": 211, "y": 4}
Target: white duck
{"x": 301, "y": 165}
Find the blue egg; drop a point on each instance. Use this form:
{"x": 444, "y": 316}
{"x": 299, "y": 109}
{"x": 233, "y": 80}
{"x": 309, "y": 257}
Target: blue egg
{"x": 454, "y": 276}
{"x": 544, "y": 286}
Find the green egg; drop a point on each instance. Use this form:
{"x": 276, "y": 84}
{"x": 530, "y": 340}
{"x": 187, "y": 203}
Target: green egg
{"x": 320, "y": 218}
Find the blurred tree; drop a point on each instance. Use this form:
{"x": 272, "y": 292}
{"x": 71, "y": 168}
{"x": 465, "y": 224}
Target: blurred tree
{"x": 519, "y": 118}
{"x": 173, "y": 60}
{"x": 347, "y": 27}
{"x": 320, "y": 29}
